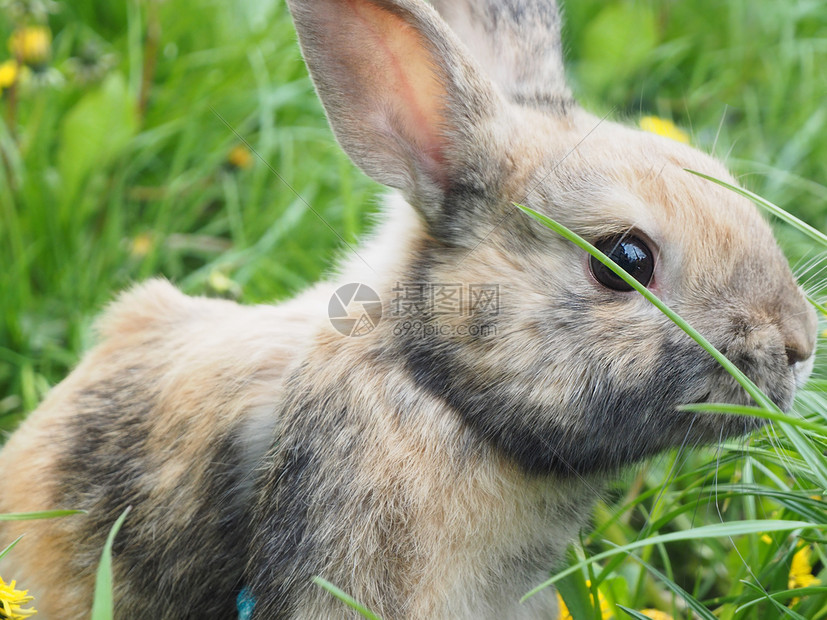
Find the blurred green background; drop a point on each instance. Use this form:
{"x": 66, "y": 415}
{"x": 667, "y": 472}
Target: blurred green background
{"x": 121, "y": 157}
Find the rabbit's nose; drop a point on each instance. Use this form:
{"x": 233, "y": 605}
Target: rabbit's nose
{"x": 799, "y": 345}
{"x": 796, "y": 354}
{"x": 799, "y": 329}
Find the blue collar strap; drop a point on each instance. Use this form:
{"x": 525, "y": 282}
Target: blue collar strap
{"x": 245, "y": 603}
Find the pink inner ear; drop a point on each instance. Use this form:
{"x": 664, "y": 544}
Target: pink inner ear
{"x": 402, "y": 65}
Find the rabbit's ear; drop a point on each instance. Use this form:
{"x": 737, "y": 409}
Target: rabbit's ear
{"x": 518, "y": 43}
{"x": 404, "y": 99}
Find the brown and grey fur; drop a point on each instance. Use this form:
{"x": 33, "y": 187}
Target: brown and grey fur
{"x": 429, "y": 475}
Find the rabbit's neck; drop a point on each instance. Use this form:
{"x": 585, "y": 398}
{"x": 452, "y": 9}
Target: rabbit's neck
{"x": 381, "y": 489}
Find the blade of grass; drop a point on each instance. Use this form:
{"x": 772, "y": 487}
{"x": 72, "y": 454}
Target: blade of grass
{"x": 803, "y": 506}
{"x": 573, "y": 588}
{"x": 10, "y": 547}
{"x": 763, "y": 596}
{"x": 755, "y": 412}
{"x": 102, "y": 607}
{"x": 774, "y": 209}
{"x": 691, "y": 601}
{"x": 807, "y": 450}
{"x": 633, "y": 613}
{"x": 48, "y": 514}
{"x": 785, "y": 595}
{"x": 718, "y": 530}
{"x": 820, "y": 307}
{"x": 346, "y": 599}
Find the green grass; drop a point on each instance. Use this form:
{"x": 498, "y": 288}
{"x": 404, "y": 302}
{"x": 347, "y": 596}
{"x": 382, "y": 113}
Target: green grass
{"x": 103, "y": 604}
{"x": 114, "y": 168}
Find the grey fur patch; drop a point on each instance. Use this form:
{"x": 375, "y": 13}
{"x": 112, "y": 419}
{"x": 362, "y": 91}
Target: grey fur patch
{"x": 107, "y": 466}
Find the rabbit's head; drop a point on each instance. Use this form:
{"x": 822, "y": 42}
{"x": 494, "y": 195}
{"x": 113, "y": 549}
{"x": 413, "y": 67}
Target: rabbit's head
{"x": 569, "y": 371}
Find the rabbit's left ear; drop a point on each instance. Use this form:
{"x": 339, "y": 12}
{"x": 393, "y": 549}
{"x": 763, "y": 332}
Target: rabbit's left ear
{"x": 518, "y": 44}
{"x": 404, "y": 99}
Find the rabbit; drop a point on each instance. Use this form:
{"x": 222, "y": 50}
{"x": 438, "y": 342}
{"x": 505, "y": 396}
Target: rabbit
{"x": 438, "y": 463}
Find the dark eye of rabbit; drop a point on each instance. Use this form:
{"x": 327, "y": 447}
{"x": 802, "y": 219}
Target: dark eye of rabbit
{"x": 631, "y": 253}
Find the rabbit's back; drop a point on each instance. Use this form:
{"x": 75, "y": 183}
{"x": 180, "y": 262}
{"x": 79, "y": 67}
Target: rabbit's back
{"x": 438, "y": 465}
{"x": 169, "y": 415}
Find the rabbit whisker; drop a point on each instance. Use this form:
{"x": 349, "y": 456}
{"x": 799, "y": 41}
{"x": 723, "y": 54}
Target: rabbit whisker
{"x": 669, "y": 476}
{"x": 720, "y": 126}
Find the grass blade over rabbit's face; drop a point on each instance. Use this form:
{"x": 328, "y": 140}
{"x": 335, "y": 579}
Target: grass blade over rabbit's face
{"x": 437, "y": 465}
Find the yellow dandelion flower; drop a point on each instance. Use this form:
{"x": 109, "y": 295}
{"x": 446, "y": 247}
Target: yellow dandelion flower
{"x": 663, "y": 127}
{"x": 11, "y": 601}
{"x": 801, "y": 571}
{"x": 9, "y": 72}
{"x": 31, "y": 45}
{"x": 656, "y": 614}
{"x": 605, "y": 608}
{"x": 564, "y": 611}
{"x": 223, "y": 285}
{"x": 240, "y": 157}
{"x": 766, "y": 538}
{"x": 141, "y": 245}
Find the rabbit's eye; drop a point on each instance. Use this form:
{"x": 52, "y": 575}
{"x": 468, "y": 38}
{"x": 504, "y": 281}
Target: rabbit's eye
{"x": 629, "y": 252}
